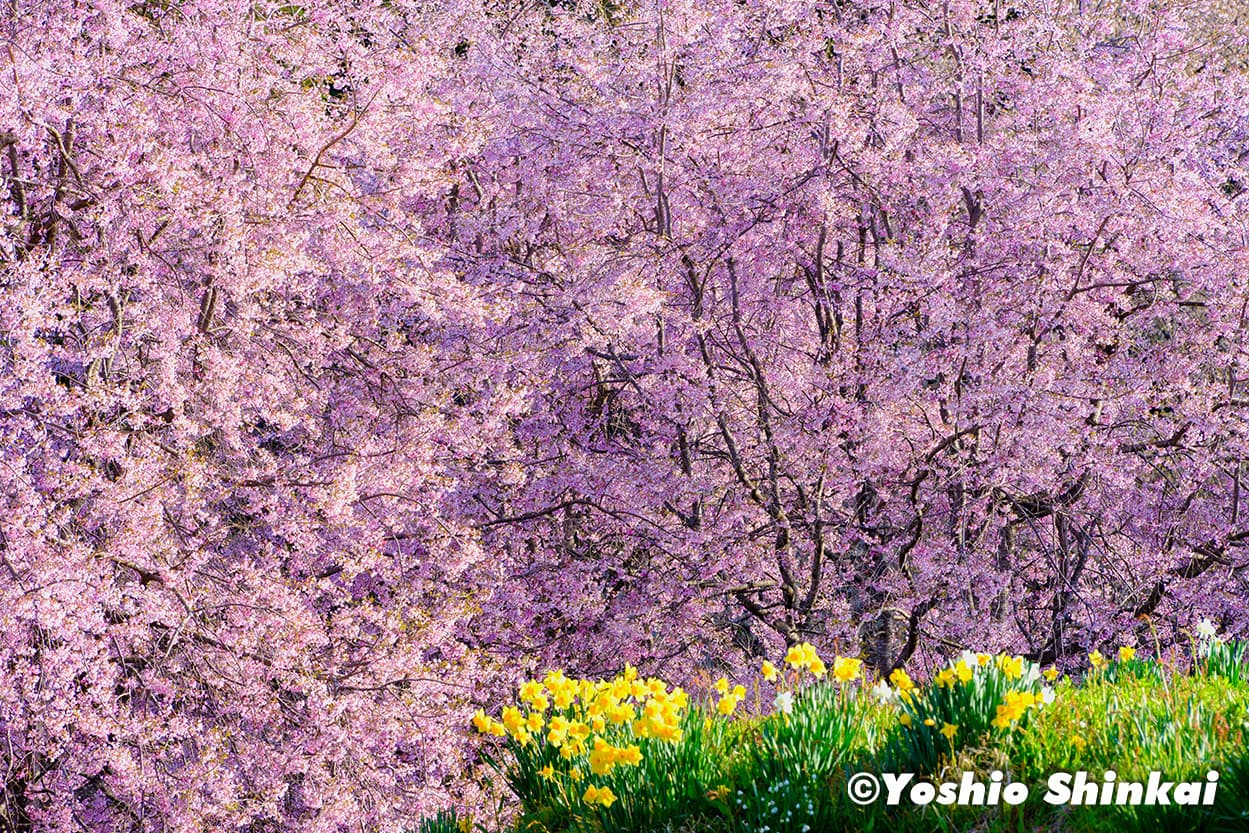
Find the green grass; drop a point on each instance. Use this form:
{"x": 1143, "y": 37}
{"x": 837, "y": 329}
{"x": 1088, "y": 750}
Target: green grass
{"x": 785, "y": 770}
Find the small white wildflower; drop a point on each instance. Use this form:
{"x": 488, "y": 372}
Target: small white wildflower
{"x": 784, "y": 702}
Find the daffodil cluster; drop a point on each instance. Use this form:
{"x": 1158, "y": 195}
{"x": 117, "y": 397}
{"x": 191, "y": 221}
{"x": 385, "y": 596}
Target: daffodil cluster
{"x": 598, "y": 795}
{"x": 1014, "y": 706}
{"x": 974, "y": 695}
{"x": 803, "y": 656}
{"x": 604, "y": 757}
{"x": 965, "y": 667}
{"x": 1099, "y": 662}
{"x": 729, "y": 697}
{"x": 901, "y": 690}
{"x": 561, "y": 726}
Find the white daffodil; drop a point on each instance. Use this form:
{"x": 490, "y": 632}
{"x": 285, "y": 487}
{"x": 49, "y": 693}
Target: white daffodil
{"x": 884, "y": 693}
{"x": 1205, "y": 630}
{"x": 784, "y": 702}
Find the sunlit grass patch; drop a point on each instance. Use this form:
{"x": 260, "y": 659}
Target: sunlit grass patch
{"x": 774, "y": 753}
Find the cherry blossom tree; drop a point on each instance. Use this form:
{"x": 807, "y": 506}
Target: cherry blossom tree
{"x": 356, "y": 357}
{"x": 888, "y": 325}
{"x": 231, "y": 583}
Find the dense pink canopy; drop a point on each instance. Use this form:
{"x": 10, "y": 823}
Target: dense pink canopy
{"x": 357, "y": 357}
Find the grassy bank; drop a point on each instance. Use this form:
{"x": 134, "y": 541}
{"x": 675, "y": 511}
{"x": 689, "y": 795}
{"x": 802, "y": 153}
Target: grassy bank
{"x": 783, "y": 751}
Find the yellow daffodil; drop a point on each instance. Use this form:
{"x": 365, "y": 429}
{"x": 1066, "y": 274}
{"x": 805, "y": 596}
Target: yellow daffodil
{"x": 1013, "y": 706}
{"x": 949, "y": 729}
{"x": 487, "y": 725}
{"x": 531, "y": 689}
{"x": 480, "y": 721}
{"x": 1097, "y": 660}
{"x": 602, "y": 757}
{"x": 769, "y": 671}
{"x": 629, "y": 756}
{"x": 557, "y": 735}
{"x": 605, "y": 796}
{"x": 901, "y": 680}
{"x": 624, "y": 713}
{"x": 1127, "y": 653}
{"x": 513, "y": 720}
{"x": 803, "y": 655}
{"x": 846, "y": 669}
{"x": 1012, "y": 667}
{"x": 667, "y": 731}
